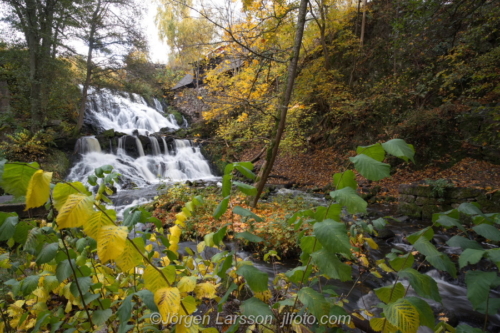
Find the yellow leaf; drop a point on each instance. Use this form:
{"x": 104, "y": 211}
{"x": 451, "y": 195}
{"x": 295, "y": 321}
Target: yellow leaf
{"x": 205, "y": 290}
{"x": 63, "y": 190}
{"x": 97, "y": 220}
{"x": 129, "y": 259}
{"x": 153, "y": 280}
{"x": 180, "y": 219}
{"x": 186, "y": 325}
{"x": 381, "y": 323}
{"x": 165, "y": 261}
{"x": 75, "y": 211}
{"x": 38, "y": 189}
{"x": 364, "y": 261}
{"x": 111, "y": 242}
{"x": 188, "y": 306}
{"x": 187, "y": 284}
{"x": 371, "y": 243}
{"x": 168, "y": 301}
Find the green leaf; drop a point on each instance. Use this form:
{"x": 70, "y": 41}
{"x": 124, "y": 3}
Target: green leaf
{"x": 392, "y": 293}
{"x": 130, "y": 218}
{"x": 434, "y": 257}
{"x": 29, "y": 284}
{"x": 349, "y": 198}
{"x": 296, "y": 275}
{"x": 224, "y": 298}
{"x": 333, "y": 236}
{"x": 245, "y": 170}
{"x": 403, "y": 315}
{"x": 226, "y": 185}
{"x": 424, "y": 285}
{"x": 16, "y": 177}
{"x": 345, "y": 179}
{"x": 84, "y": 283}
{"x": 148, "y": 298}
{"x": 309, "y": 244}
{"x": 426, "y": 233}
{"x": 331, "y": 266}
{"x": 219, "y": 235}
{"x": 125, "y": 310}
{"x": 8, "y": 227}
{"x": 487, "y": 231}
{"x": 399, "y": 148}
{"x": 470, "y": 208}
{"x": 470, "y": 256}
{"x": 478, "y": 286}
{"x": 370, "y": 168}
{"x": 198, "y": 200}
{"x": 245, "y": 188}
{"x": 92, "y": 180}
{"x": 63, "y": 270}
{"x": 246, "y": 213}
{"x": 255, "y": 308}
{"x": 229, "y": 168}
{"x": 401, "y": 262}
{"x": 221, "y": 208}
{"x": 464, "y": 243}
{"x": 425, "y": 312}
{"x": 228, "y": 262}
{"x": 107, "y": 168}
{"x": 494, "y": 255}
{"x": 375, "y": 151}
{"x": 449, "y": 222}
{"x": 99, "y": 317}
{"x": 249, "y": 237}
{"x": 316, "y": 303}
{"x": 256, "y": 279}
{"x": 379, "y": 223}
{"x": 47, "y": 254}
{"x": 468, "y": 329}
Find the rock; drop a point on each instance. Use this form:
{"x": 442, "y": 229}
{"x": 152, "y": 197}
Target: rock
{"x": 464, "y": 192}
{"x": 109, "y": 133}
{"x": 410, "y": 209}
{"x": 385, "y": 233}
{"x": 406, "y": 198}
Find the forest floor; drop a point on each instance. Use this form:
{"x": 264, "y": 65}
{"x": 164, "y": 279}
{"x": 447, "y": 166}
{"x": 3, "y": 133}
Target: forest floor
{"x": 314, "y": 169}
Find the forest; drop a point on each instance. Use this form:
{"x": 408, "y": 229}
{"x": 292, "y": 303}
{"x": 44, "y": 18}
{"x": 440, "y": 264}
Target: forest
{"x": 287, "y": 166}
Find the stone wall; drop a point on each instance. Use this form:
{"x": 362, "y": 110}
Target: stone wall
{"x": 190, "y": 102}
{"x": 421, "y": 201}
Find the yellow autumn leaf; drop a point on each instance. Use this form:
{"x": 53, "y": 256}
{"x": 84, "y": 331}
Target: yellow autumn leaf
{"x": 180, "y": 219}
{"x": 97, "y": 220}
{"x": 205, "y": 290}
{"x": 371, "y": 243}
{"x": 38, "y": 189}
{"x": 153, "y": 280}
{"x": 165, "y": 261}
{"x": 111, "y": 242}
{"x": 174, "y": 237}
{"x": 62, "y": 191}
{"x": 129, "y": 259}
{"x": 187, "y": 284}
{"x": 75, "y": 211}
{"x": 168, "y": 301}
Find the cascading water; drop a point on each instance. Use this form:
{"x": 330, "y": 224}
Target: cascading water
{"x": 165, "y": 159}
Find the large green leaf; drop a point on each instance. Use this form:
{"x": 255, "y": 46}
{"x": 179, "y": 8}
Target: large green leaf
{"x": 470, "y": 256}
{"x": 469, "y": 208}
{"x": 29, "y": 284}
{"x": 399, "y": 263}
{"x": 221, "y": 208}
{"x": 256, "y": 279}
{"x": 494, "y": 255}
{"x": 254, "y": 307}
{"x": 219, "y": 235}
{"x": 309, "y": 244}
{"x": 392, "y": 293}
{"x": 48, "y": 253}
{"x": 315, "y": 303}
{"x": 427, "y": 233}
{"x": 63, "y": 270}
{"x": 464, "y": 243}
{"x": 245, "y": 188}
{"x": 370, "y": 168}
{"x": 226, "y": 185}
{"x": 8, "y": 227}
{"x": 434, "y": 257}
{"x": 333, "y": 236}
{"x": 478, "y": 286}
{"x": 449, "y": 222}
{"x": 468, "y": 329}
{"x": 331, "y": 266}
{"x": 487, "y": 231}
{"x": 99, "y": 317}
{"x": 246, "y": 213}
{"x": 399, "y": 148}
{"x": 345, "y": 179}
{"x": 423, "y": 285}
{"x": 249, "y": 237}
{"x": 299, "y": 274}
{"x": 403, "y": 315}
{"x": 349, "y": 198}
{"x": 245, "y": 168}
{"x": 16, "y": 177}
{"x": 375, "y": 151}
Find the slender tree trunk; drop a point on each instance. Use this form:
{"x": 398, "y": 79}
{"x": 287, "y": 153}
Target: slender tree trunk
{"x": 272, "y": 150}
{"x": 363, "y": 23}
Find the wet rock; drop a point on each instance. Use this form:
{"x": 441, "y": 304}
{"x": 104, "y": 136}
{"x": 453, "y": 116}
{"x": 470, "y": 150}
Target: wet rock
{"x": 386, "y": 233}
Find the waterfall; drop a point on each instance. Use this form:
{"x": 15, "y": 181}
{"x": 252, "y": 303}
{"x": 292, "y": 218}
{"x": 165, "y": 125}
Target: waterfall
{"x": 125, "y": 113}
{"x": 139, "y": 157}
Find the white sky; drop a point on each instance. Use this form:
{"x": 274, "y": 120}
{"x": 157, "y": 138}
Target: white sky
{"x": 158, "y": 50}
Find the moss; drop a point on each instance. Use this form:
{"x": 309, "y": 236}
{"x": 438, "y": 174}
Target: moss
{"x": 57, "y": 162}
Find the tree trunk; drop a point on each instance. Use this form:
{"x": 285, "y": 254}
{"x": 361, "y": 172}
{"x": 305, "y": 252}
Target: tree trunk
{"x": 363, "y": 23}
{"x": 272, "y": 150}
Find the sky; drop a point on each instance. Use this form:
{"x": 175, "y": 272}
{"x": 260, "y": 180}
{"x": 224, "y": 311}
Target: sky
{"x": 158, "y": 49}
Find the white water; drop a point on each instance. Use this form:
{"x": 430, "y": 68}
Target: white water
{"x": 182, "y": 161}
{"x": 125, "y": 113}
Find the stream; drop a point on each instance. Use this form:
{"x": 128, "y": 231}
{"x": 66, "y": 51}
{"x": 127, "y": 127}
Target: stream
{"x": 148, "y": 158}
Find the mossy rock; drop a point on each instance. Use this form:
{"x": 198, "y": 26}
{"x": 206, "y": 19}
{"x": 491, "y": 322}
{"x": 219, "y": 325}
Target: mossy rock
{"x": 57, "y": 162}
{"x": 410, "y": 209}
